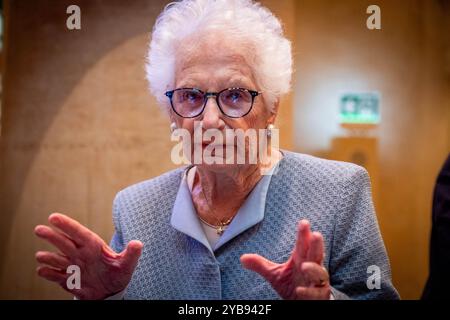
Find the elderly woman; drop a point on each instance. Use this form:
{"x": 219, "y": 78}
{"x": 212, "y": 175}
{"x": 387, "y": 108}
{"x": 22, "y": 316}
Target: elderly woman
{"x": 228, "y": 230}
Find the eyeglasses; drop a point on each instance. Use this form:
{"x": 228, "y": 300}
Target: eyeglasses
{"x": 232, "y": 102}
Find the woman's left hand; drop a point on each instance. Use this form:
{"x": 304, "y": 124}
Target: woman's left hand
{"x": 302, "y": 277}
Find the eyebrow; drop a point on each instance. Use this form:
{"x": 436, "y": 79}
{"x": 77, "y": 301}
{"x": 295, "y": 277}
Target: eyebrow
{"x": 240, "y": 82}
{"x": 235, "y": 82}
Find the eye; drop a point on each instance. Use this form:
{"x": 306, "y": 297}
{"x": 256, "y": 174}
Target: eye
{"x": 234, "y": 96}
{"x": 190, "y": 96}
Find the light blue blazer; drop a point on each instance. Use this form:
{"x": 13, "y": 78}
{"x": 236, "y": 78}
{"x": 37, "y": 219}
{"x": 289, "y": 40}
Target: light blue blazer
{"x": 334, "y": 196}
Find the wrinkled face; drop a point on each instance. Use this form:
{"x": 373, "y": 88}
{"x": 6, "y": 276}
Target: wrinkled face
{"x": 211, "y": 66}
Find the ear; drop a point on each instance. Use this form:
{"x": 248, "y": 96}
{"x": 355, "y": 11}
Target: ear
{"x": 173, "y": 122}
{"x": 274, "y": 112}
{"x": 172, "y": 117}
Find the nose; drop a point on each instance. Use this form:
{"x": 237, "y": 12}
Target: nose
{"x": 212, "y": 117}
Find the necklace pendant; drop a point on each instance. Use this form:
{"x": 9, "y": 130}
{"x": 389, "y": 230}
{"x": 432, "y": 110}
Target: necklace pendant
{"x": 220, "y": 230}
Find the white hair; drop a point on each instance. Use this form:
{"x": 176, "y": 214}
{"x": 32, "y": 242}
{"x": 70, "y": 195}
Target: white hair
{"x": 271, "y": 57}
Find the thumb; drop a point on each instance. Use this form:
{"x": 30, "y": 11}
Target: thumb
{"x": 131, "y": 255}
{"x": 258, "y": 264}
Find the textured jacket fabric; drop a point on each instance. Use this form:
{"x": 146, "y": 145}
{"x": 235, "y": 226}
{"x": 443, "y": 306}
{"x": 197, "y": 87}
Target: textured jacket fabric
{"x": 334, "y": 196}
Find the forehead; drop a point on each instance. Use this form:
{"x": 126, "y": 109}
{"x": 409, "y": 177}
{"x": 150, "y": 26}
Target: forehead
{"x": 212, "y": 61}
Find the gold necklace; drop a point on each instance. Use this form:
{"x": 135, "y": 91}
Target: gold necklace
{"x": 220, "y": 228}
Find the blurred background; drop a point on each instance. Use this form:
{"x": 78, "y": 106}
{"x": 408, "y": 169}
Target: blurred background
{"x": 78, "y": 123}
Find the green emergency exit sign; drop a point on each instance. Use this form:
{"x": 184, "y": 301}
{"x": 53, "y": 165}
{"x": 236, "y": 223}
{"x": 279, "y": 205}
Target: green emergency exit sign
{"x": 360, "y": 108}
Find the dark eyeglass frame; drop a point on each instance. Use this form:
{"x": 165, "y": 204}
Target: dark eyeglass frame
{"x": 207, "y": 95}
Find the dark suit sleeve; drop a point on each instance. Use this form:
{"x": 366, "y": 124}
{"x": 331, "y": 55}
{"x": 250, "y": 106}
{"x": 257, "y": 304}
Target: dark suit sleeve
{"x": 438, "y": 284}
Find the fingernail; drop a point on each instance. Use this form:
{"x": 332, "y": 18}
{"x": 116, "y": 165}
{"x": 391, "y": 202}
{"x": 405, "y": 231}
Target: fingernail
{"x": 304, "y": 224}
{"x": 54, "y": 218}
{"x": 38, "y": 229}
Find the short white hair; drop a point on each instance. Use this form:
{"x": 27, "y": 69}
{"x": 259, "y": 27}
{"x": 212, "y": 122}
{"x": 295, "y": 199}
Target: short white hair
{"x": 271, "y": 61}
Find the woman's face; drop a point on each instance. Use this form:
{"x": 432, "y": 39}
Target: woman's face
{"x": 212, "y": 66}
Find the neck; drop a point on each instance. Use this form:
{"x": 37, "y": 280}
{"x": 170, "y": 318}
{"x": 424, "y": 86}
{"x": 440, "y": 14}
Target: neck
{"x": 219, "y": 194}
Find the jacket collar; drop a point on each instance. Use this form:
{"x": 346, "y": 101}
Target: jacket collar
{"x": 185, "y": 220}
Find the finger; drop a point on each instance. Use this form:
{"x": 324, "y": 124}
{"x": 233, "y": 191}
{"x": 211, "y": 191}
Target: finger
{"x": 315, "y": 274}
{"x": 52, "y": 259}
{"x": 131, "y": 255}
{"x": 52, "y": 275}
{"x": 303, "y": 238}
{"x": 259, "y": 264}
{"x": 304, "y": 293}
{"x": 75, "y": 230}
{"x": 56, "y": 238}
{"x": 316, "y": 248}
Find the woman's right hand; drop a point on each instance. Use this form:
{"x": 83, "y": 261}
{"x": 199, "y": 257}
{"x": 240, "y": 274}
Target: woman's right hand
{"x": 103, "y": 271}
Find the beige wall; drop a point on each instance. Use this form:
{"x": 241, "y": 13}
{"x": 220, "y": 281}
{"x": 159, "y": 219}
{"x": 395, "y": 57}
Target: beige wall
{"x": 406, "y": 63}
{"x": 78, "y": 124}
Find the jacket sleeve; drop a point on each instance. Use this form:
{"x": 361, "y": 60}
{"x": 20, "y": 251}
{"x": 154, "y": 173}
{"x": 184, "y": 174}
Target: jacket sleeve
{"x": 359, "y": 266}
{"x": 117, "y": 243}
